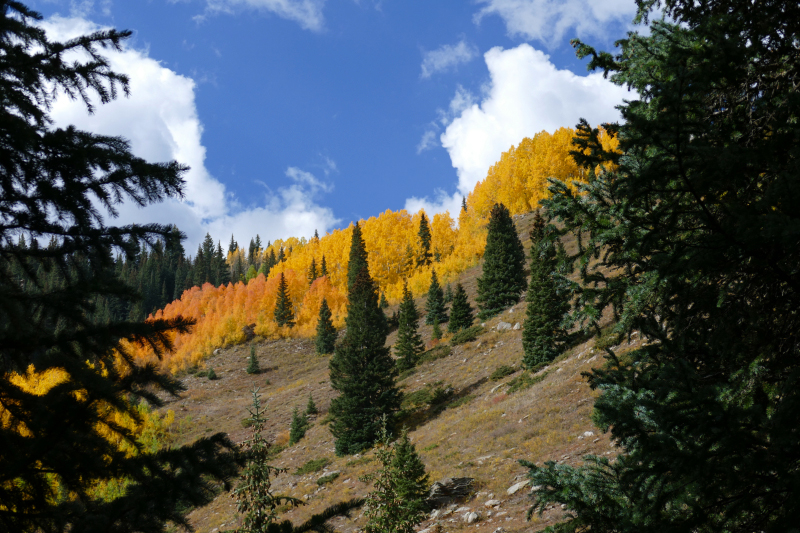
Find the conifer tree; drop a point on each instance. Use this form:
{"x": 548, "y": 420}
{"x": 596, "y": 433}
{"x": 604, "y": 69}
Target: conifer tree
{"x": 312, "y": 271}
{"x": 409, "y": 343}
{"x": 542, "y": 333}
{"x": 64, "y": 185}
{"x": 316, "y": 235}
{"x": 435, "y": 311}
{"x": 397, "y": 502}
{"x": 252, "y": 362}
{"x": 436, "y": 332}
{"x": 361, "y": 370}
{"x": 298, "y": 428}
{"x": 460, "y": 312}
{"x": 311, "y": 407}
{"x": 358, "y": 257}
{"x": 326, "y": 333}
{"x": 424, "y": 235}
{"x": 284, "y": 315}
{"x": 281, "y": 257}
{"x": 464, "y": 203}
{"x": 323, "y": 269}
{"x": 383, "y": 303}
{"x": 232, "y": 247}
{"x": 503, "y": 277}
{"x": 448, "y": 294}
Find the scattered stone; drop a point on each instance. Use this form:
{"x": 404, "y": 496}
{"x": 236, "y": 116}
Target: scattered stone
{"x": 588, "y": 433}
{"x": 499, "y": 530}
{"x": 492, "y": 503}
{"x": 502, "y": 326}
{"x": 435, "y": 514}
{"x": 517, "y": 326}
{"x": 217, "y": 351}
{"x": 463, "y": 510}
{"x": 513, "y": 489}
{"x": 563, "y": 506}
{"x": 596, "y": 440}
{"x": 495, "y": 388}
{"x": 449, "y": 489}
{"x": 511, "y": 310}
{"x": 471, "y": 518}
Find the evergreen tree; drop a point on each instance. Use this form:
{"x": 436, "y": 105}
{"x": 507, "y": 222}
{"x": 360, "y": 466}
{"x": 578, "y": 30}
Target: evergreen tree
{"x": 688, "y": 237}
{"x": 252, "y": 362}
{"x": 312, "y": 271}
{"x": 211, "y": 374}
{"x": 448, "y": 294}
{"x": 424, "y": 235}
{"x": 542, "y": 333}
{"x": 460, "y": 312}
{"x": 362, "y": 371}
{"x": 281, "y": 257}
{"x": 436, "y": 332}
{"x": 323, "y": 269}
{"x": 383, "y": 304}
{"x": 298, "y": 428}
{"x": 233, "y": 246}
{"x": 284, "y": 315}
{"x": 397, "y": 502}
{"x": 503, "y": 277}
{"x": 464, "y": 203}
{"x": 326, "y": 333}
{"x": 316, "y": 235}
{"x": 409, "y": 343}
{"x": 358, "y": 257}
{"x": 311, "y": 407}
{"x": 222, "y": 274}
{"x": 435, "y": 312}
{"x": 60, "y": 185}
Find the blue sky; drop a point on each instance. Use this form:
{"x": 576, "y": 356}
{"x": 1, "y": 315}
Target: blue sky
{"x": 298, "y": 115}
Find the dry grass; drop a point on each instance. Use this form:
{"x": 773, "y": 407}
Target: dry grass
{"x": 481, "y": 431}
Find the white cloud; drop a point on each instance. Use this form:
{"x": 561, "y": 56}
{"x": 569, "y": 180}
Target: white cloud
{"x": 160, "y": 121}
{"x": 307, "y": 13}
{"x": 525, "y": 95}
{"x": 548, "y": 21}
{"x": 446, "y": 58}
{"x": 428, "y": 140}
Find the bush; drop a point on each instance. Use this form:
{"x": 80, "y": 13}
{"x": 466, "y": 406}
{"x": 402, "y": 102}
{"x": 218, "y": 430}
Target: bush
{"x": 314, "y": 465}
{"x": 327, "y": 479}
{"x": 466, "y": 335}
{"x": 502, "y": 372}
{"x": 437, "y": 352}
{"x": 524, "y": 381}
{"x": 211, "y": 374}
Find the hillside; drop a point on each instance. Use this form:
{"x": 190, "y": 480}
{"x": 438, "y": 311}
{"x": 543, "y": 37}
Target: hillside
{"x": 480, "y": 431}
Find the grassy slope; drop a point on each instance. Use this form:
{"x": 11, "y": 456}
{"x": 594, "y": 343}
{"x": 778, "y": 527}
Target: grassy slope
{"x": 482, "y": 438}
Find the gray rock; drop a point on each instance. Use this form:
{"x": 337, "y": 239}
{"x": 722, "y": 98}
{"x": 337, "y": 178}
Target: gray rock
{"x": 471, "y": 518}
{"x": 449, "y": 489}
{"x": 502, "y": 326}
{"x": 492, "y": 503}
{"x": 513, "y": 489}
{"x": 517, "y": 326}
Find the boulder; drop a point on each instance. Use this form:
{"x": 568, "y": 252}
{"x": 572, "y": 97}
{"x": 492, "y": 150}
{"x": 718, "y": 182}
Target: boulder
{"x": 249, "y": 332}
{"x": 492, "y": 503}
{"x": 471, "y": 517}
{"x": 449, "y": 489}
{"x": 502, "y": 326}
{"x": 513, "y": 489}
{"x": 517, "y": 326}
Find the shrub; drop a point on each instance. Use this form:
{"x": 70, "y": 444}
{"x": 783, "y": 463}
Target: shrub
{"x": 466, "y": 335}
{"x": 502, "y": 372}
{"x": 327, "y": 479}
{"x": 314, "y": 465}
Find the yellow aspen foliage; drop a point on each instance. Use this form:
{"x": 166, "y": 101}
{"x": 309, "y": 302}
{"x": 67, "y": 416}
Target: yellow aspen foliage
{"x": 518, "y": 180}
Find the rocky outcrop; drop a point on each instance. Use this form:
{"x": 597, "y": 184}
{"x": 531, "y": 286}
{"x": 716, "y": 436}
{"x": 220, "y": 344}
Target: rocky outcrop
{"x": 450, "y": 489}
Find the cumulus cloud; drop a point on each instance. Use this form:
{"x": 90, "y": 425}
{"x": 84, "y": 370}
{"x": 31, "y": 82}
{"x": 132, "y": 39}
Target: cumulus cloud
{"x": 525, "y": 95}
{"x": 446, "y": 57}
{"x": 160, "y": 121}
{"x": 307, "y": 13}
{"x": 548, "y": 21}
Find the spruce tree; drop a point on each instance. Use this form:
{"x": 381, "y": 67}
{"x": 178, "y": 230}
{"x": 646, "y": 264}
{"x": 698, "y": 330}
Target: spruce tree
{"x": 63, "y": 186}
{"x": 383, "y": 303}
{"x": 687, "y": 237}
{"x": 284, "y": 315}
{"x": 252, "y": 361}
{"x": 435, "y": 311}
{"x": 298, "y": 428}
{"x": 311, "y": 407}
{"x": 424, "y": 235}
{"x": 409, "y": 343}
{"x": 323, "y": 269}
{"x": 326, "y": 333}
{"x": 503, "y": 277}
{"x": 464, "y": 203}
{"x": 312, "y": 271}
{"x": 362, "y": 371}
{"x": 448, "y": 294}
{"x": 542, "y": 333}
{"x": 460, "y": 312}
{"x": 358, "y": 257}
{"x": 397, "y": 502}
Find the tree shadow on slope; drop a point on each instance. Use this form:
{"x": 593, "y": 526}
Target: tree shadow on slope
{"x": 422, "y": 406}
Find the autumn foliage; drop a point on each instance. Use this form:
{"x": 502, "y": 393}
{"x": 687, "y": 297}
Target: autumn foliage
{"x": 518, "y": 180}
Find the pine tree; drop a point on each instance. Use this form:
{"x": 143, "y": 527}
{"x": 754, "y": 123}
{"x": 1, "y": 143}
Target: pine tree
{"x": 542, "y": 333}
{"x": 424, "y": 235}
{"x": 464, "y": 203}
{"x": 383, "y": 304}
{"x": 397, "y": 502}
{"x": 233, "y": 246}
{"x": 252, "y": 362}
{"x": 436, "y": 332}
{"x": 311, "y": 407}
{"x": 435, "y": 311}
{"x": 60, "y": 185}
{"x": 448, "y": 294}
{"x": 358, "y": 257}
{"x": 298, "y": 428}
{"x": 284, "y": 316}
{"x": 312, "y": 271}
{"x": 211, "y": 375}
{"x": 362, "y": 371}
{"x": 323, "y": 269}
{"x": 409, "y": 343}
{"x": 326, "y": 333}
{"x": 316, "y": 235}
{"x": 460, "y": 312}
{"x": 503, "y": 277}
{"x": 683, "y": 238}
